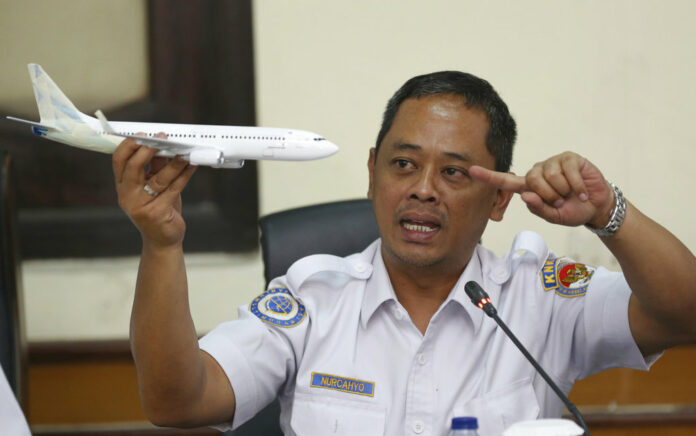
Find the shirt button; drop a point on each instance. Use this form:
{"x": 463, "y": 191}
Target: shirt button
{"x": 360, "y": 267}
{"x": 418, "y": 427}
{"x": 422, "y": 359}
{"x": 399, "y": 314}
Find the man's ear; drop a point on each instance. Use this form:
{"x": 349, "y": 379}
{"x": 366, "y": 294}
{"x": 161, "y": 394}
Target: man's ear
{"x": 371, "y": 170}
{"x": 502, "y": 199}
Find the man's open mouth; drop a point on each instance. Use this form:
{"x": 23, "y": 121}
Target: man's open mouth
{"x": 419, "y": 226}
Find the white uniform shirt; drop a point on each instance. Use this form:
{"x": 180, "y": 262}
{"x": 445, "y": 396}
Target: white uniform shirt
{"x": 355, "y": 364}
{"x": 12, "y": 420}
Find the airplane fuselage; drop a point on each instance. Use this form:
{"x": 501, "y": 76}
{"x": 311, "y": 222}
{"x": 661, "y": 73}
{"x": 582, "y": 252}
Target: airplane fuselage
{"x": 235, "y": 143}
{"x": 267, "y": 143}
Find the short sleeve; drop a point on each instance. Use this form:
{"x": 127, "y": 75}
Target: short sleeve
{"x": 603, "y": 337}
{"x": 258, "y": 358}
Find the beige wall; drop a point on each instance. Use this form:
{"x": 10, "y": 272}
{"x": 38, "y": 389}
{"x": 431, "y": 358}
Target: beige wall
{"x": 94, "y": 50}
{"x": 612, "y": 80}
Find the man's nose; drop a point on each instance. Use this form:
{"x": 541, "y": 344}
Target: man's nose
{"x": 425, "y": 187}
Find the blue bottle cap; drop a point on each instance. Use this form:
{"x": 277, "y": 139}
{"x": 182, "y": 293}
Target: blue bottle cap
{"x": 464, "y": 423}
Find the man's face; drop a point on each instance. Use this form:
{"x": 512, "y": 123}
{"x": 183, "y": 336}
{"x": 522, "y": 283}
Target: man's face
{"x": 429, "y": 211}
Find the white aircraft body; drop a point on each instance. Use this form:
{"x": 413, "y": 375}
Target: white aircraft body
{"x": 215, "y": 146}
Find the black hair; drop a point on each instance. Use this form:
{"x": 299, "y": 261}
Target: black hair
{"x": 477, "y": 93}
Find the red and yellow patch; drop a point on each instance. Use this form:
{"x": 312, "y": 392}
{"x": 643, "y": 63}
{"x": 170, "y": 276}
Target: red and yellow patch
{"x": 567, "y": 278}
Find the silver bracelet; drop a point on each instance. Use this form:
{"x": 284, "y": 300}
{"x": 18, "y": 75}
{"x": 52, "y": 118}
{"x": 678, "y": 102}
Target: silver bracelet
{"x": 617, "y": 214}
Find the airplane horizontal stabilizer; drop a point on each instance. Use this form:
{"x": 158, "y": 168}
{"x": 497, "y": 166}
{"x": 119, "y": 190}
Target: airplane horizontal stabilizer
{"x": 37, "y": 127}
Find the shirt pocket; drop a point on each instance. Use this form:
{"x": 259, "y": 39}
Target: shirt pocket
{"x": 499, "y": 409}
{"x": 323, "y": 415}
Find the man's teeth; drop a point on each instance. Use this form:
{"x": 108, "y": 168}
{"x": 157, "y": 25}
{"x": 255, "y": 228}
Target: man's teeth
{"x": 418, "y": 228}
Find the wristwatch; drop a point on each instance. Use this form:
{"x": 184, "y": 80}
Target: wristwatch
{"x": 617, "y": 214}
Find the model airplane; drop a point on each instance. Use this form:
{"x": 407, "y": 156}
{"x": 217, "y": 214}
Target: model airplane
{"x": 215, "y": 146}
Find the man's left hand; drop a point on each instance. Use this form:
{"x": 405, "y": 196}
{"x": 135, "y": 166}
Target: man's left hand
{"x": 564, "y": 189}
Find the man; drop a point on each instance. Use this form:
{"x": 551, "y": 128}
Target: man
{"x": 386, "y": 341}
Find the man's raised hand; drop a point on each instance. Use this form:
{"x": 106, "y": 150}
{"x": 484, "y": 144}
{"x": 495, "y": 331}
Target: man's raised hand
{"x": 564, "y": 189}
{"x": 157, "y": 213}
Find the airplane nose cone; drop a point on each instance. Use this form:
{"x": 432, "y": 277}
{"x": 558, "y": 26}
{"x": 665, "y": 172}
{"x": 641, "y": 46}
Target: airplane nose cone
{"x": 329, "y": 148}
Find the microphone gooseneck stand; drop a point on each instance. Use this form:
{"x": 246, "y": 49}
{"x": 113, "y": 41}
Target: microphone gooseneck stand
{"x": 480, "y": 298}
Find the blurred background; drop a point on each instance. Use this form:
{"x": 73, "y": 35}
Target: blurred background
{"x": 611, "y": 80}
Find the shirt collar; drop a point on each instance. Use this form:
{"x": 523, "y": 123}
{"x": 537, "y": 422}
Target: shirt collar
{"x": 473, "y": 272}
{"x": 378, "y": 289}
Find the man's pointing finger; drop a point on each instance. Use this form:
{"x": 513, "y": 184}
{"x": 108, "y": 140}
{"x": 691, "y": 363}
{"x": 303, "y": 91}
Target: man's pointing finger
{"x": 505, "y": 181}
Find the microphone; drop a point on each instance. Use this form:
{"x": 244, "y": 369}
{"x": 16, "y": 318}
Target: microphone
{"x": 481, "y": 299}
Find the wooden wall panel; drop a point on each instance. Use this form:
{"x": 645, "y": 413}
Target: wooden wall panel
{"x": 671, "y": 380}
{"x": 84, "y": 392}
{"x": 662, "y": 430}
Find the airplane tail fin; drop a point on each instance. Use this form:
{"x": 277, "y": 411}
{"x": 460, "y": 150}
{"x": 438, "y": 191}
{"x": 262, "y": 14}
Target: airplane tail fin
{"x": 54, "y": 107}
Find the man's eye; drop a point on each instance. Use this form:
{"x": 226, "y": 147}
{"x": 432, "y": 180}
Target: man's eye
{"x": 454, "y": 171}
{"x": 403, "y": 163}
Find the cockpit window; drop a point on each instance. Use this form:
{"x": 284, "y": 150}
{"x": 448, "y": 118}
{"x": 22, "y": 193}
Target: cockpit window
{"x": 320, "y": 139}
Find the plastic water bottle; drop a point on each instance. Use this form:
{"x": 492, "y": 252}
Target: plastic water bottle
{"x": 464, "y": 426}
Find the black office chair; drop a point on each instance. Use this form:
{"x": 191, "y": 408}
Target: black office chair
{"x": 12, "y": 339}
{"x": 340, "y": 228}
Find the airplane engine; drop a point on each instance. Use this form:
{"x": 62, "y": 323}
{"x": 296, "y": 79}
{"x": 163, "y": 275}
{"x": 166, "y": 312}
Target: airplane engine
{"x": 233, "y": 164}
{"x": 209, "y": 157}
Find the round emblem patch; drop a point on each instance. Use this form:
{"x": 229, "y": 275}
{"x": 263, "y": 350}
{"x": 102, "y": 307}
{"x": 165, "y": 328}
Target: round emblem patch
{"x": 572, "y": 275}
{"x": 567, "y": 278}
{"x": 278, "y": 307}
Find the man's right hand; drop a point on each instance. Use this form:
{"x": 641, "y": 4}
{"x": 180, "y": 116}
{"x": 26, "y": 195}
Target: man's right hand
{"x": 158, "y": 218}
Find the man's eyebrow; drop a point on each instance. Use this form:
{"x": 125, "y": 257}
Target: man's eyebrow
{"x": 406, "y": 146}
{"x": 464, "y": 157}
{"x": 458, "y": 156}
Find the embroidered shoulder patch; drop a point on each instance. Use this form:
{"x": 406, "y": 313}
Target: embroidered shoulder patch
{"x": 278, "y": 307}
{"x": 343, "y": 384}
{"x": 567, "y": 278}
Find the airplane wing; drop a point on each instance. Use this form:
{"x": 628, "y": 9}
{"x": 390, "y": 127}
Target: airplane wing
{"x": 174, "y": 147}
{"x": 164, "y": 144}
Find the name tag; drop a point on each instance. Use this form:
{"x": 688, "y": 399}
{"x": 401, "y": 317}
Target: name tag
{"x": 343, "y": 384}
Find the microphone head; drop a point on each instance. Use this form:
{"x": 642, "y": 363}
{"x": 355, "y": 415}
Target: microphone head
{"x": 475, "y": 292}
{"x": 480, "y": 298}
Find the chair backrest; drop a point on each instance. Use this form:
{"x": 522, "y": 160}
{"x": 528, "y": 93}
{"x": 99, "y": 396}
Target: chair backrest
{"x": 12, "y": 339}
{"x": 339, "y": 228}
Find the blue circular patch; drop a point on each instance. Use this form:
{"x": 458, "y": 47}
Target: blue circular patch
{"x": 278, "y": 307}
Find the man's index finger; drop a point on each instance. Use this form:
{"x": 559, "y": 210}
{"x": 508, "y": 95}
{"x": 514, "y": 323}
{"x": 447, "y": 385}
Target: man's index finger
{"x": 505, "y": 181}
